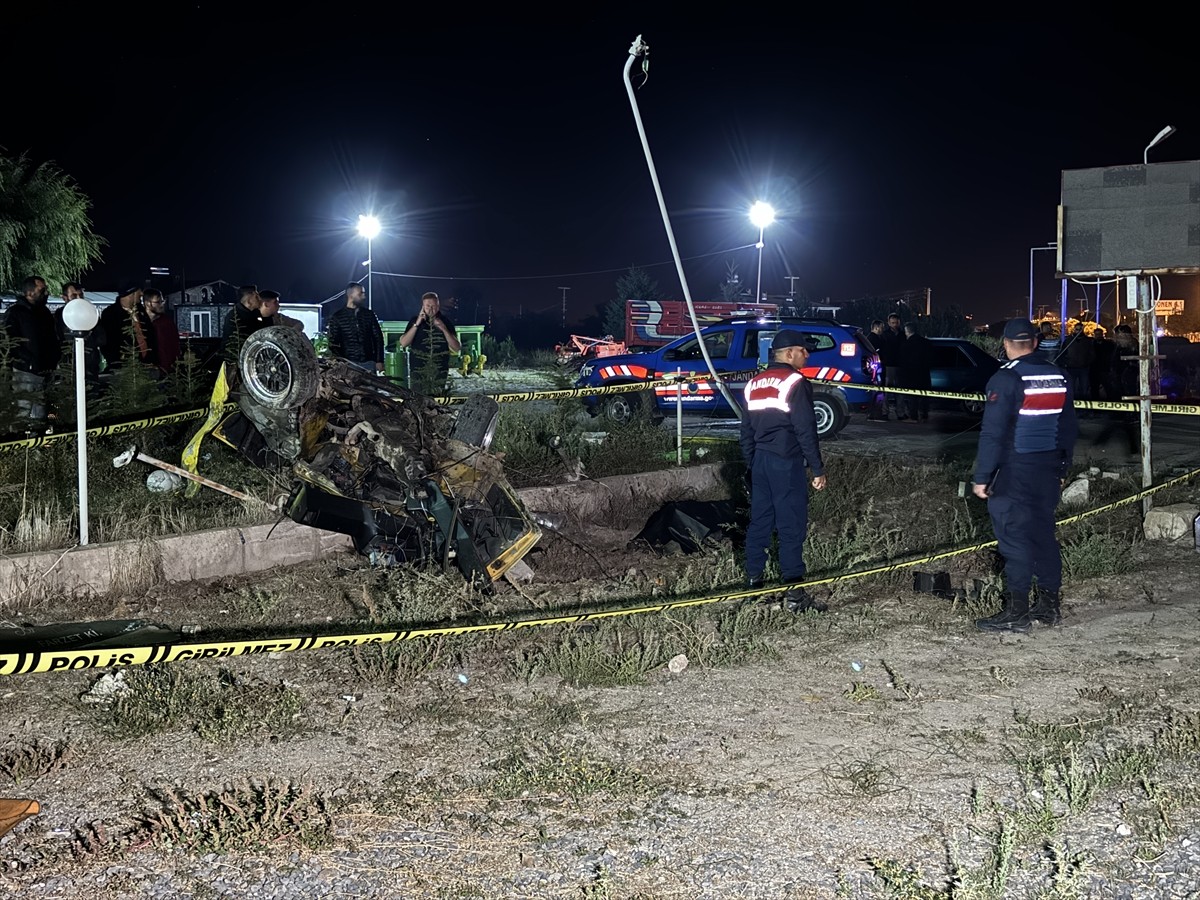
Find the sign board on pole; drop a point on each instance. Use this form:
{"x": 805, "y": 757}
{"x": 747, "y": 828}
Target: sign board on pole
{"x": 1168, "y": 308}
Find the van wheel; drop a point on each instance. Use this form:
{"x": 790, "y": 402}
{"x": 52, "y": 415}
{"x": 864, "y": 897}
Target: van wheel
{"x": 832, "y": 413}
{"x": 621, "y": 409}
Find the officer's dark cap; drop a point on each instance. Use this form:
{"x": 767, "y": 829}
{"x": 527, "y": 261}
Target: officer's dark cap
{"x": 785, "y": 339}
{"x": 1020, "y": 330}
{"x": 128, "y": 288}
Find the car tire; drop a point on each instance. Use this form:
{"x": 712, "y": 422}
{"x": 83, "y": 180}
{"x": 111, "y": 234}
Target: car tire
{"x": 621, "y": 409}
{"x": 973, "y": 407}
{"x": 279, "y": 367}
{"x": 831, "y": 412}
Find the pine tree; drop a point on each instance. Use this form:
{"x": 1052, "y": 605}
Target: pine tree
{"x": 134, "y": 389}
{"x": 8, "y": 399}
{"x": 187, "y": 384}
{"x": 731, "y": 287}
{"x": 636, "y": 284}
{"x": 427, "y": 373}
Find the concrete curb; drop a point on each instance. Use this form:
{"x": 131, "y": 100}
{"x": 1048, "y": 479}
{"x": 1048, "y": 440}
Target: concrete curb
{"x": 136, "y": 565}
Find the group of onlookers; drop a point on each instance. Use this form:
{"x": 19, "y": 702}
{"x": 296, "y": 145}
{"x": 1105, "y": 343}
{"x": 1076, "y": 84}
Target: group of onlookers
{"x": 136, "y": 329}
{"x": 907, "y": 359}
{"x": 1100, "y": 367}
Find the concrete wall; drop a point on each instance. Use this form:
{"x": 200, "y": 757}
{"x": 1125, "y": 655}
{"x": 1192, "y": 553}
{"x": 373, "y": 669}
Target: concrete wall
{"x": 135, "y": 565}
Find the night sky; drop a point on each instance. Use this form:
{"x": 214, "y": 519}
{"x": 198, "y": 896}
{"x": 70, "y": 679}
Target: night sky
{"x": 899, "y": 155}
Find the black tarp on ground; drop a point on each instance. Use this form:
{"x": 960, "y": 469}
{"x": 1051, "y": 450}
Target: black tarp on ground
{"x": 691, "y": 524}
{"x": 85, "y": 636}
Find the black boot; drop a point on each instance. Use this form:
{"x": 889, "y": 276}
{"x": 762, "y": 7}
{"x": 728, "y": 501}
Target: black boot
{"x": 1046, "y": 608}
{"x": 797, "y": 600}
{"x": 1014, "y": 616}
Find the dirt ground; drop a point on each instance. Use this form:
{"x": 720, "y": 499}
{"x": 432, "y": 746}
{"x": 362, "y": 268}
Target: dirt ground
{"x": 884, "y": 749}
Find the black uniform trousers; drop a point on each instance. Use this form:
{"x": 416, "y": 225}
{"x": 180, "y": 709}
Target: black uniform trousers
{"x": 1024, "y": 497}
{"x": 778, "y": 503}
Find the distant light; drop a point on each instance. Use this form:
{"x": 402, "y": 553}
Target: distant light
{"x": 80, "y": 315}
{"x": 762, "y": 214}
{"x": 159, "y": 270}
{"x": 369, "y": 227}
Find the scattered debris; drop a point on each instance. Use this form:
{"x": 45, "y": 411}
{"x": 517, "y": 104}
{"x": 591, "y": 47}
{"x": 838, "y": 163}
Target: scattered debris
{"x": 936, "y": 583}
{"x": 15, "y": 811}
{"x": 686, "y": 526}
{"x": 677, "y": 664}
{"x": 109, "y": 686}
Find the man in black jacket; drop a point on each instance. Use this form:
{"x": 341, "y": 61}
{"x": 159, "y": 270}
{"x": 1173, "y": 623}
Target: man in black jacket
{"x": 126, "y": 329}
{"x": 431, "y": 339}
{"x": 241, "y": 322}
{"x": 916, "y": 359}
{"x": 1026, "y": 444}
{"x": 355, "y": 334}
{"x": 888, "y": 345}
{"x": 36, "y": 351}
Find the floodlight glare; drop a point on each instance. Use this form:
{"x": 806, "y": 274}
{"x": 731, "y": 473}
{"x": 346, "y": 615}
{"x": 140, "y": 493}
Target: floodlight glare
{"x": 369, "y": 227}
{"x": 762, "y": 214}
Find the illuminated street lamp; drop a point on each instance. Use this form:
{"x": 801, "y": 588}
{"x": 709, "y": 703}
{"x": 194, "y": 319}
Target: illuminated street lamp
{"x": 80, "y": 317}
{"x": 369, "y": 227}
{"x": 761, "y": 215}
{"x": 1158, "y": 139}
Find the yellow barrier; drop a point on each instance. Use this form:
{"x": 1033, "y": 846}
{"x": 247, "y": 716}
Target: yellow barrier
{"x": 45, "y": 440}
{"x": 33, "y": 662}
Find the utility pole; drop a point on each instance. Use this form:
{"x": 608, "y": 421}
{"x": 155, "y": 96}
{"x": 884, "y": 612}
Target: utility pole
{"x": 792, "y": 279}
{"x": 928, "y": 301}
{"x": 564, "y": 311}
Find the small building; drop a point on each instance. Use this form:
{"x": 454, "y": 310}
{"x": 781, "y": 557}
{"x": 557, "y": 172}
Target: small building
{"x": 202, "y": 309}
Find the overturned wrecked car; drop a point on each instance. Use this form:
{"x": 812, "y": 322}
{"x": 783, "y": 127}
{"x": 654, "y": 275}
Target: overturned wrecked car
{"x": 409, "y": 480}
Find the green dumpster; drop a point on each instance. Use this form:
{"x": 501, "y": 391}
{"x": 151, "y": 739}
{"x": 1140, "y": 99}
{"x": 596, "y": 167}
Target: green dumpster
{"x": 394, "y": 362}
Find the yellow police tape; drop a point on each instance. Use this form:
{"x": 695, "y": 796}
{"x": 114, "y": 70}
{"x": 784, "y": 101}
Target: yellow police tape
{"x": 564, "y": 393}
{"x": 1179, "y": 409}
{"x": 116, "y": 428}
{"x": 628, "y": 387}
{"x": 35, "y": 661}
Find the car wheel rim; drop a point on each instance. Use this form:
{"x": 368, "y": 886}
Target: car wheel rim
{"x": 821, "y": 411}
{"x": 271, "y": 371}
{"x": 619, "y": 411}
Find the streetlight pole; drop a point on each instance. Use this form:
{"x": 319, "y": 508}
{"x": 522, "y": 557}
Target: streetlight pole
{"x": 80, "y": 317}
{"x": 1158, "y": 139}
{"x": 369, "y": 228}
{"x": 761, "y": 214}
{"x": 1032, "y": 250}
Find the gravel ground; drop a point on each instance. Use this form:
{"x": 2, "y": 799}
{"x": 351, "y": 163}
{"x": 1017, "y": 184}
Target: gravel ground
{"x": 886, "y": 729}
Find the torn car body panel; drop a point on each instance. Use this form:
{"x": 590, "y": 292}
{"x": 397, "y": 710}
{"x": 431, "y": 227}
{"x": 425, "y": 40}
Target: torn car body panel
{"x": 410, "y": 480}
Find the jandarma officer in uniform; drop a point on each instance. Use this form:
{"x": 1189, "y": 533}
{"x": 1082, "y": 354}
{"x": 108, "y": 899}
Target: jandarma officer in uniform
{"x": 779, "y": 441}
{"x": 1025, "y": 449}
